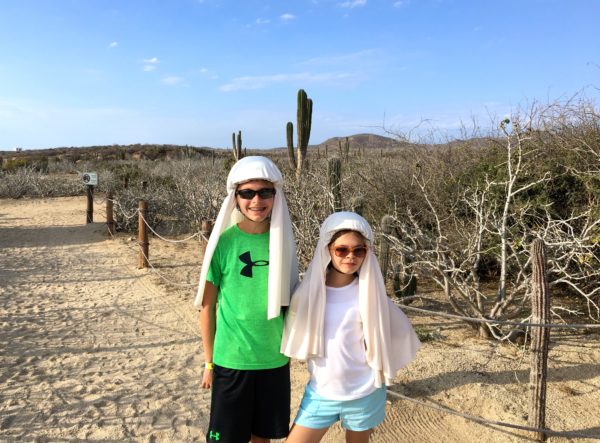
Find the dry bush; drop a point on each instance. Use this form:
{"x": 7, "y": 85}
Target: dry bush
{"x": 29, "y": 182}
{"x": 469, "y": 213}
{"x": 180, "y": 195}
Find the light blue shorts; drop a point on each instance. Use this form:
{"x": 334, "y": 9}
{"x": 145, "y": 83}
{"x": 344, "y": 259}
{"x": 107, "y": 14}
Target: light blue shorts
{"x": 361, "y": 414}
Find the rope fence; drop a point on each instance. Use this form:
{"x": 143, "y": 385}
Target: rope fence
{"x": 143, "y": 225}
{"x": 538, "y": 429}
{"x": 495, "y": 322}
{"x": 166, "y": 301}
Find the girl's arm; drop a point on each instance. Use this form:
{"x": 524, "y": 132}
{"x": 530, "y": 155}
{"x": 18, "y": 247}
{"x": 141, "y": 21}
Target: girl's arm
{"x": 208, "y": 321}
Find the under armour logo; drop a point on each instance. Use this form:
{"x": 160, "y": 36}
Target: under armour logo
{"x": 247, "y": 259}
{"x": 214, "y": 435}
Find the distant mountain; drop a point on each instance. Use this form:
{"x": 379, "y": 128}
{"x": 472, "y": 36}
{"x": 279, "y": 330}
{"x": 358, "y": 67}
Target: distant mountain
{"x": 362, "y": 141}
{"x": 112, "y": 152}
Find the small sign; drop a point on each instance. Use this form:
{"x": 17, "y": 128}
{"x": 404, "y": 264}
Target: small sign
{"x": 90, "y": 178}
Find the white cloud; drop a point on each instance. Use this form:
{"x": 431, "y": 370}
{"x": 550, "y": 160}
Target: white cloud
{"x": 206, "y": 73}
{"x": 263, "y": 81}
{"x": 150, "y": 64}
{"x": 400, "y": 3}
{"x": 173, "y": 80}
{"x": 353, "y": 58}
{"x": 353, "y": 4}
{"x": 113, "y": 44}
{"x": 287, "y": 17}
{"x": 261, "y": 21}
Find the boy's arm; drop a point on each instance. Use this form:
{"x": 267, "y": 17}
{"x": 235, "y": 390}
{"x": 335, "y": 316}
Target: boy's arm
{"x": 208, "y": 321}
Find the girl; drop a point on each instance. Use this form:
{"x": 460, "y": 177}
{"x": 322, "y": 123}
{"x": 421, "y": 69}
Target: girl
{"x": 354, "y": 338}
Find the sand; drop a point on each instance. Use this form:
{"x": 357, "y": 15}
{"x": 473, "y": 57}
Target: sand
{"x": 94, "y": 349}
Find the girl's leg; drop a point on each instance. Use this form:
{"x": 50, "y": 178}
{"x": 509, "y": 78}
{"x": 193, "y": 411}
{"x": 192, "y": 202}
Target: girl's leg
{"x": 255, "y": 439}
{"x": 301, "y": 434}
{"x": 358, "y": 436}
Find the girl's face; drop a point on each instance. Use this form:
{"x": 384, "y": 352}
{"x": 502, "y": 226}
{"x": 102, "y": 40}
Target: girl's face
{"x": 256, "y": 209}
{"x": 348, "y": 252}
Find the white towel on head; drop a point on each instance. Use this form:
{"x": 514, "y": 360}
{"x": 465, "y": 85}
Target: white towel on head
{"x": 283, "y": 263}
{"x": 391, "y": 342}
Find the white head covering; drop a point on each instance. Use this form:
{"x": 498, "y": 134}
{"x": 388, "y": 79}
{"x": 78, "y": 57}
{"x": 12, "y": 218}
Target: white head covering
{"x": 283, "y": 263}
{"x": 391, "y": 342}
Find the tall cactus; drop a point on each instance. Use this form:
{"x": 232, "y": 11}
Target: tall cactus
{"x": 404, "y": 282}
{"x": 303, "y": 123}
{"x": 289, "y": 130}
{"x": 358, "y": 204}
{"x": 237, "y": 147}
{"x": 335, "y": 182}
{"x": 344, "y": 149}
{"x": 387, "y": 225}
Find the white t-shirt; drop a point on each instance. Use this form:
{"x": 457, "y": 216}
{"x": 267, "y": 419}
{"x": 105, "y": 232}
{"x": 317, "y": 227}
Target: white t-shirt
{"x": 342, "y": 373}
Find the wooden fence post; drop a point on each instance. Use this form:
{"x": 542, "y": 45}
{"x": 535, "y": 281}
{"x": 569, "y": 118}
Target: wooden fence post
{"x": 110, "y": 222}
{"x": 89, "y": 218}
{"x": 540, "y": 337}
{"x": 205, "y": 230}
{"x": 143, "y": 234}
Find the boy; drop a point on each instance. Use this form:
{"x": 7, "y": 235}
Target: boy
{"x": 248, "y": 272}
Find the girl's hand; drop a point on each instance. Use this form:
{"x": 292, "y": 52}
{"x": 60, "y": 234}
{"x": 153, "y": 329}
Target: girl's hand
{"x": 207, "y": 378}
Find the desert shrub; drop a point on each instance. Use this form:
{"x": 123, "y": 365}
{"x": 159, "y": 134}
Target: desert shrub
{"x": 37, "y": 163}
{"x": 478, "y": 214}
{"x": 17, "y": 183}
{"x": 28, "y": 182}
{"x": 180, "y": 194}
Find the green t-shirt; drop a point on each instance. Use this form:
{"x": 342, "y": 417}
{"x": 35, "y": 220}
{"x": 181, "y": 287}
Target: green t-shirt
{"x": 244, "y": 338}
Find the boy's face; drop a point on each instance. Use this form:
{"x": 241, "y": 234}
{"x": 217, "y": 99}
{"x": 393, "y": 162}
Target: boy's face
{"x": 256, "y": 209}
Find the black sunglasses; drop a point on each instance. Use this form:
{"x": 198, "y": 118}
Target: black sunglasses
{"x": 249, "y": 194}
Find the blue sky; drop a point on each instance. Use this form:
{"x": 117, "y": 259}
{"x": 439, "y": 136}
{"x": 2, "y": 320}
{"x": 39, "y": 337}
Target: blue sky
{"x": 96, "y": 72}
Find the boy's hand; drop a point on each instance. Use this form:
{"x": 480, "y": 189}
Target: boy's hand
{"x": 207, "y": 378}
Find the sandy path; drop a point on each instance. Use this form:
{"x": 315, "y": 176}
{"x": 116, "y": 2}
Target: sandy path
{"x": 88, "y": 350}
{"x": 93, "y": 349}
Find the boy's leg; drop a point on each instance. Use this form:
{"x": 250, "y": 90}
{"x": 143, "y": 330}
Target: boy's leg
{"x": 272, "y": 403}
{"x": 231, "y": 406}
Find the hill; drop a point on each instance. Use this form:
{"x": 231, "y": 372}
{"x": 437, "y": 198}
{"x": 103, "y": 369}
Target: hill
{"x": 360, "y": 141}
{"x": 11, "y": 159}
{"x": 40, "y": 157}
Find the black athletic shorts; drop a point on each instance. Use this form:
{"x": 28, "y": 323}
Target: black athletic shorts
{"x": 245, "y": 403}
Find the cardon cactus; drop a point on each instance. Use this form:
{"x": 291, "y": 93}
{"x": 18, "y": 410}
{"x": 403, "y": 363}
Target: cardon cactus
{"x": 303, "y": 123}
{"x": 344, "y": 149}
{"x": 358, "y": 205}
{"x": 335, "y": 182}
{"x": 387, "y": 225}
{"x": 404, "y": 283}
{"x": 237, "y": 147}
{"x": 289, "y": 132}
